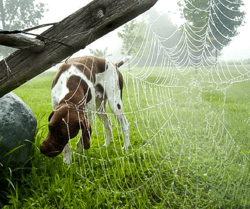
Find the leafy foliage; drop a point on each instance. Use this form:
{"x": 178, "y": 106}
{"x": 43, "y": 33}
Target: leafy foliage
{"x": 19, "y": 14}
{"x": 216, "y": 20}
{"x": 160, "y": 26}
{"x": 100, "y": 53}
{"x": 132, "y": 37}
{"x": 139, "y": 37}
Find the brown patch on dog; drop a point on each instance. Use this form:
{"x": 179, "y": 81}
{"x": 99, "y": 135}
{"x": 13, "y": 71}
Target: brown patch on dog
{"x": 99, "y": 88}
{"x": 78, "y": 89}
{"x": 64, "y": 125}
{"x": 95, "y": 64}
{"x": 120, "y": 81}
{"x": 90, "y": 74}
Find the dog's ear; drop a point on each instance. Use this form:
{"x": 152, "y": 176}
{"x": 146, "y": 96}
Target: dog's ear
{"x": 50, "y": 116}
{"x": 119, "y": 64}
{"x": 86, "y": 134}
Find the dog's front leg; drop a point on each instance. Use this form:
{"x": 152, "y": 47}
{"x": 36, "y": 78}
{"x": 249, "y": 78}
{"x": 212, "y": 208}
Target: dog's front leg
{"x": 108, "y": 126}
{"x": 67, "y": 154}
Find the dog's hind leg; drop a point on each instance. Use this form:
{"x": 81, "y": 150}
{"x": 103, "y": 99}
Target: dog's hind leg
{"x": 114, "y": 95}
{"x": 108, "y": 127}
{"x": 115, "y": 104}
{"x": 117, "y": 109}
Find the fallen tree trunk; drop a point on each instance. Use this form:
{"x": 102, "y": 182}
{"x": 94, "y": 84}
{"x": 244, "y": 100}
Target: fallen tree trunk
{"x": 67, "y": 37}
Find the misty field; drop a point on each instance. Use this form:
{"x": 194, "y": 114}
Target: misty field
{"x": 190, "y": 146}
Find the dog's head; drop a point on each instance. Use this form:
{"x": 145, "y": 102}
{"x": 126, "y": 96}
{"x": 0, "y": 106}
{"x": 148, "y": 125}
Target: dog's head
{"x": 64, "y": 124}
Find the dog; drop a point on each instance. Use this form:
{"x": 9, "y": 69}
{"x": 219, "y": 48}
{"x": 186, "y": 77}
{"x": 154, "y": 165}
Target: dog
{"x": 80, "y": 89}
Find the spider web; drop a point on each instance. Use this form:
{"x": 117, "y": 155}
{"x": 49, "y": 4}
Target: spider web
{"x": 183, "y": 127}
{"x": 184, "y": 145}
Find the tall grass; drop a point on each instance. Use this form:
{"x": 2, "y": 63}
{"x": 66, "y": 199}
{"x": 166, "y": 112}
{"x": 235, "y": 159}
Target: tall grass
{"x": 189, "y": 148}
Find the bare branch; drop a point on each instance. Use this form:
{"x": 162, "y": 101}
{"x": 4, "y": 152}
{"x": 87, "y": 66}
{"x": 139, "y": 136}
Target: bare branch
{"x": 21, "y": 42}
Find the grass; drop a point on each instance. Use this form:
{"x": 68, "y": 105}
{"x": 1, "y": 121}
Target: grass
{"x": 190, "y": 145}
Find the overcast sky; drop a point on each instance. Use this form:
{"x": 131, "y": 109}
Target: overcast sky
{"x": 238, "y": 49}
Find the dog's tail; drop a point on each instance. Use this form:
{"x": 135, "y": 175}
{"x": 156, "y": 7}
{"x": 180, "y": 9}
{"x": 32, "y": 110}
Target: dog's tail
{"x": 125, "y": 59}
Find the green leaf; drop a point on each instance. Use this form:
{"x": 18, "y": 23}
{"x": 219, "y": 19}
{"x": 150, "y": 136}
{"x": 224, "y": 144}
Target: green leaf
{"x": 13, "y": 150}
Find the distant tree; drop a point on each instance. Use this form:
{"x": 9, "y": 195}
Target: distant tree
{"x": 144, "y": 38}
{"x": 163, "y": 33}
{"x": 162, "y": 26}
{"x": 100, "y": 53}
{"x": 212, "y": 23}
{"x": 132, "y": 36}
{"x": 19, "y": 14}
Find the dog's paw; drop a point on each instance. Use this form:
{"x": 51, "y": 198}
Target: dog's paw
{"x": 106, "y": 144}
{"x": 67, "y": 159}
{"x": 125, "y": 148}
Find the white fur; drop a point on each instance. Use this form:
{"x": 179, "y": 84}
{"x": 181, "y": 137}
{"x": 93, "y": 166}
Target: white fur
{"x": 59, "y": 91}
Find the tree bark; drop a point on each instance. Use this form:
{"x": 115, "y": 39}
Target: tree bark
{"x": 77, "y": 30}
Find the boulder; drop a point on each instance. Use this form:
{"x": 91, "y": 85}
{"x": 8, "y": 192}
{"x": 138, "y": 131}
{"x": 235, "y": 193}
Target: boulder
{"x": 17, "y": 131}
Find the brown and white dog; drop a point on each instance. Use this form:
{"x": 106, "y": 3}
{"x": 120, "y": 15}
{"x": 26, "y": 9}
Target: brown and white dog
{"x": 79, "y": 90}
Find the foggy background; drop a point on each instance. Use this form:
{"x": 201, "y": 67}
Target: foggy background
{"x": 238, "y": 49}
{"x": 162, "y": 22}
